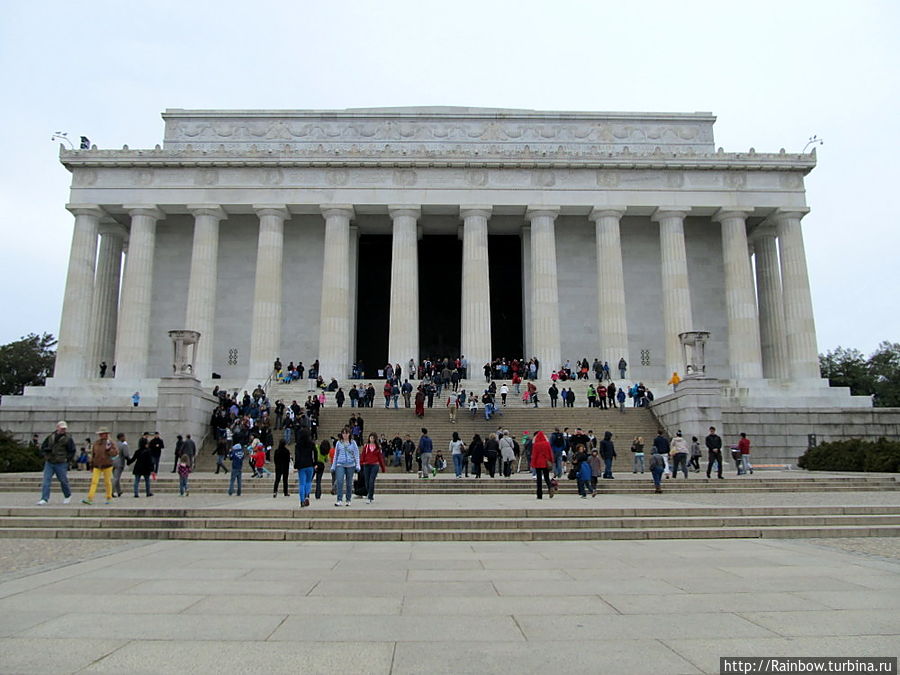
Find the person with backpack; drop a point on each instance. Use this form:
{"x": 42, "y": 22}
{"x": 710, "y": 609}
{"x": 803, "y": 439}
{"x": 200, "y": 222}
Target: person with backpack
{"x": 558, "y": 447}
{"x": 608, "y": 453}
{"x": 143, "y": 465}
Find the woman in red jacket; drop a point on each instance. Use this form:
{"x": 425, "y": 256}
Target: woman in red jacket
{"x": 371, "y": 460}
{"x": 541, "y": 461}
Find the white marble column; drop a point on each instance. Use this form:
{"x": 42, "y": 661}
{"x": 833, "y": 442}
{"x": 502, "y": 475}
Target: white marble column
{"x": 612, "y": 322}
{"x": 334, "y": 321}
{"x": 744, "y": 355}
{"x": 354, "y": 288}
{"x": 105, "y": 312}
{"x": 201, "y": 301}
{"x": 527, "y": 342}
{"x": 74, "y": 348}
{"x": 772, "y": 337}
{"x": 799, "y": 322}
{"x": 676, "y": 290}
{"x": 265, "y": 333}
{"x": 133, "y": 334}
{"x": 403, "y": 338}
{"x": 475, "y": 337}
{"x": 544, "y": 289}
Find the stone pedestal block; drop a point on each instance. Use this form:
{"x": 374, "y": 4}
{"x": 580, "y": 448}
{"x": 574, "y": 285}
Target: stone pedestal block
{"x": 182, "y": 407}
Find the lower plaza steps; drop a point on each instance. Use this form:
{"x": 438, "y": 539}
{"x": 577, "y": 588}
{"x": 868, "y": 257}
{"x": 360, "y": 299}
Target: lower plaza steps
{"x": 368, "y": 523}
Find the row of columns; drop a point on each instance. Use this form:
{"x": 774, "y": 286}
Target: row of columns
{"x": 773, "y": 338}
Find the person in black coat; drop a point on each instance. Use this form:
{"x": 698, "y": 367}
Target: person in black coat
{"x": 304, "y": 461}
{"x": 143, "y": 465}
{"x": 491, "y": 452}
{"x": 476, "y": 454}
{"x": 608, "y": 453}
{"x": 282, "y": 467}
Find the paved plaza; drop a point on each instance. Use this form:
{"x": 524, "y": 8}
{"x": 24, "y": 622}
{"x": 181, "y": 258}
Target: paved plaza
{"x": 672, "y": 606}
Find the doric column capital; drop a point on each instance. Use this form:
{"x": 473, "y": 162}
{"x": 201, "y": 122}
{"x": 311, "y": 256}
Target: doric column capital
{"x": 338, "y": 210}
{"x": 409, "y": 210}
{"x": 474, "y": 211}
{"x": 278, "y": 210}
{"x": 533, "y": 212}
{"x": 86, "y": 210}
{"x": 663, "y": 212}
{"x": 599, "y": 212}
{"x": 148, "y": 210}
{"x": 789, "y": 213}
{"x": 213, "y": 210}
{"x": 731, "y": 212}
{"x": 110, "y": 228}
{"x": 765, "y": 229}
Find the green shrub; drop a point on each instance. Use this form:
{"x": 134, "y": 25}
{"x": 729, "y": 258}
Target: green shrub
{"x": 16, "y": 456}
{"x": 881, "y": 456}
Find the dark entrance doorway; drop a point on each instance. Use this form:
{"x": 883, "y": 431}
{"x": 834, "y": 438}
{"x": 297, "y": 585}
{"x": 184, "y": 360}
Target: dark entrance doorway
{"x": 505, "y": 255}
{"x": 440, "y": 296}
{"x": 373, "y": 301}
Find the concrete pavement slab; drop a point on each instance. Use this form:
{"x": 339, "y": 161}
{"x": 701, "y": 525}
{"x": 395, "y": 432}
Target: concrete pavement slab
{"x": 710, "y": 602}
{"x": 430, "y": 628}
{"x": 834, "y": 622}
{"x": 501, "y": 606}
{"x": 140, "y": 658}
{"x": 389, "y": 589}
{"x": 158, "y": 626}
{"x": 107, "y": 602}
{"x": 639, "y": 585}
{"x": 58, "y": 655}
{"x": 225, "y": 587}
{"x": 596, "y": 656}
{"x": 881, "y": 599}
{"x": 705, "y": 653}
{"x": 586, "y": 627}
{"x": 309, "y": 606}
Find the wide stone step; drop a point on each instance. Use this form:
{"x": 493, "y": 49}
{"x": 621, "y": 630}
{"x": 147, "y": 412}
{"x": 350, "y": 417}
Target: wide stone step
{"x": 520, "y": 534}
{"x": 367, "y": 522}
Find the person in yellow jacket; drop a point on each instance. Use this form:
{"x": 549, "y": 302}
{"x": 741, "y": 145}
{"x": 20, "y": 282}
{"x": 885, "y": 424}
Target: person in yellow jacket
{"x": 674, "y": 380}
{"x": 103, "y": 451}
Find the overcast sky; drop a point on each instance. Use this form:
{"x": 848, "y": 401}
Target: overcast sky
{"x": 773, "y": 72}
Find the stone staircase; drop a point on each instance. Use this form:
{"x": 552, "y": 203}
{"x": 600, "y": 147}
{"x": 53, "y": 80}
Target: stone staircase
{"x": 400, "y": 483}
{"x": 371, "y": 524}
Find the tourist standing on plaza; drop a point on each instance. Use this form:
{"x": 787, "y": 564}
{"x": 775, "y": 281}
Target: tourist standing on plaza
{"x": 322, "y": 454}
{"x": 305, "y": 465}
{"x": 371, "y": 459}
{"x": 184, "y": 470}
{"x": 476, "y": 455}
{"x": 119, "y": 463}
{"x": 582, "y": 469}
{"x": 696, "y": 453}
{"x": 507, "y": 453}
{"x": 744, "y": 448}
{"x": 102, "y": 453}
{"x": 608, "y": 453}
{"x": 637, "y": 451}
{"x": 657, "y": 466}
{"x": 237, "y": 467}
{"x": 680, "y": 451}
{"x": 457, "y": 452}
{"x": 346, "y": 462}
{"x": 282, "y": 459}
{"x": 420, "y": 402}
{"x": 714, "y": 449}
{"x": 425, "y": 449}
{"x": 542, "y": 460}
{"x": 491, "y": 452}
{"x": 221, "y": 452}
{"x": 623, "y": 366}
{"x": 143, "y": 465}
{"x": 662, "y": 447}
{"x": 409, "y": 453}
{"x": 156, "y": 447}
{"x": 57, "y": 450}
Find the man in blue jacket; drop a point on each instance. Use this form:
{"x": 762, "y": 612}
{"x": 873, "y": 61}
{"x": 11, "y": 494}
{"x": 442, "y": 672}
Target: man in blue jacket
{"x": 425, "y": 449}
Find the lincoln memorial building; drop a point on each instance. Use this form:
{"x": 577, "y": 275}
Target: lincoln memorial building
{"x": 390, "y": 234}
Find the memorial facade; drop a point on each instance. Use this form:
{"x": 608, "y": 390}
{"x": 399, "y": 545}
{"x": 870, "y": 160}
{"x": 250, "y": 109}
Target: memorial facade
{"x": 390, "y": 234}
